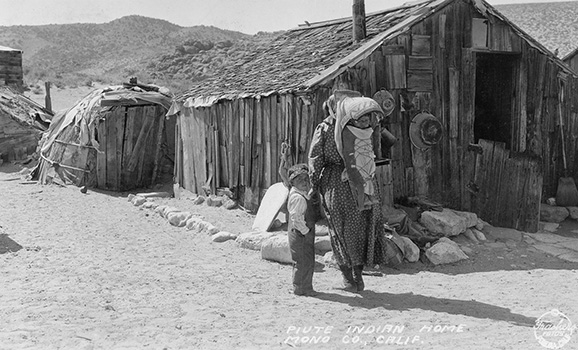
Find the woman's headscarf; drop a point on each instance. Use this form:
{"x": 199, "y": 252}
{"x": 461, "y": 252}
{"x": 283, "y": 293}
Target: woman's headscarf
{"x": 344, "y": 106}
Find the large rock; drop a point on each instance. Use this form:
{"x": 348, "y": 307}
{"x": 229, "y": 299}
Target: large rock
{"x": 193, "y": 224}
{"x": 322, "y": 245}
{"x": 470, "y": 218}
{"x": 138, "y": 200}
{"x": 254, "y": 239}
{"x": 167, "y": 210}
{"x": 410, "y": 250}
{"x": 276, "y": 248}
{"x": 479, "y": 234}
{"x": 446, "y": 222}
{"x": 150, "y": 205}
{"x": 223, "y": 236}
{"x": 198, "y": 200}
{"x": 573, "y": 212}
{"x": 548, "y": 226}
{"x": 179, "y": 218}
{"x": 214, "y": 201}
{"x": 160, "y": 209}
{"x": 445, "y": 251}
{"x": 321, "y": 230}
{"x": 229, "y": 204}
{"x": 329, "y": 260}
{"x": 551, "y": 213}
{"x": 469, "y": 233}
{"x": 210, "y": 229}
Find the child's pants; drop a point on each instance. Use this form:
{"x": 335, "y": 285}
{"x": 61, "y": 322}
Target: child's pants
{"x": 303, "y": 254}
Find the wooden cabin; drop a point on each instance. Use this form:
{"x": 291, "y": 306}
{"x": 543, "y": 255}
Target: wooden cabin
{"x": 11, "y": 68}
{"x": 22, "y": 122}
{"x": 571, "y": 59}
{"x": 497, "y": 93}
{"x": 116, "y": 138}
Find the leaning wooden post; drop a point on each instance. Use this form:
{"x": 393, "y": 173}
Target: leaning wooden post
{"x": 47, "y": 101}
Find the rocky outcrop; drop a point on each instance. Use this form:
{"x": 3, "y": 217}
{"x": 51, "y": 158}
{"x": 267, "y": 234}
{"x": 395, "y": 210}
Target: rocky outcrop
{"x": 445, "y": 251}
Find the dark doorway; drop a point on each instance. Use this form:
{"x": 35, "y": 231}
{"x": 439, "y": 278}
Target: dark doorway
{"x": 495, "y": 79}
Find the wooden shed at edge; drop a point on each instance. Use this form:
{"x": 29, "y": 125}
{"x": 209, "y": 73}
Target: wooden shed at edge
{"x": 11, "y": 73}
{"x": 116, "y": 138}
{"x": 497, "y": 92}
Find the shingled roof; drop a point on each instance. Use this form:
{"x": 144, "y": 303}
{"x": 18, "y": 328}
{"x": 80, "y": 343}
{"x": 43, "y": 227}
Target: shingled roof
{"x": 311, "y": 54}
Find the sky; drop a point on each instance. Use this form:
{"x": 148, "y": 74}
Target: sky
{"x": 246, "y": 16}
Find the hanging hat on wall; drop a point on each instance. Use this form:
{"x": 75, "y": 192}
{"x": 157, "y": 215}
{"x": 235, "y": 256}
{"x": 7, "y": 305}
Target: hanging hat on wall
{"x": 385, "y": 100}
{"x": 425, "y": 130}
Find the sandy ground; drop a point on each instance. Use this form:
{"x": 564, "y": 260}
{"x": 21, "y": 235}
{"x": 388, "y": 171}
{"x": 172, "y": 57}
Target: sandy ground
{"x": 96, "y": 272}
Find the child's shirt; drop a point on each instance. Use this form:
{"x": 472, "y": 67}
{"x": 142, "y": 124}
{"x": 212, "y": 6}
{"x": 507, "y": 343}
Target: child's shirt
{"x": 297, "y": 206}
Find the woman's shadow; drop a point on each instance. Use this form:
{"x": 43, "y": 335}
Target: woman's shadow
{"x": 408, "y": 301}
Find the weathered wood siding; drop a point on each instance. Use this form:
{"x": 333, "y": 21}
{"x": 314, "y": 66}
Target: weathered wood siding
{"x": 236, "y": 144}
{"x": 432, "y": 67}
{"x": 17, "y": 141}
{"x": 130, "y": 140}
{"x": 11, "y": 69}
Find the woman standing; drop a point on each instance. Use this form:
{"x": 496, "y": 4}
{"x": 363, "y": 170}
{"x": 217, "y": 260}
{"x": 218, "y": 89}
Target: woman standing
{"x": 342, "y": 169}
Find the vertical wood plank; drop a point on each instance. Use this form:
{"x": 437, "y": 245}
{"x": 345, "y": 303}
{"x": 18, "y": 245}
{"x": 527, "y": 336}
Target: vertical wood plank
{"x": 268, "y": 161}
{"x": 128, "y": 144}
{"x": 455, "y": 159}
{"x": 274, "y": 139}
{"x": 101, "y": 155}
{"x": 111, "y": 160}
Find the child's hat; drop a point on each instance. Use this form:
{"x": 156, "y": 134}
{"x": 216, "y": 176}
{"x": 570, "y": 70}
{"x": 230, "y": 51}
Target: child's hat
{"x": 297, "y": 170}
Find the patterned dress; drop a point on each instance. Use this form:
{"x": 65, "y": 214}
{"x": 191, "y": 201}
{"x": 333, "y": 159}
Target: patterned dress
{"x": 357, "y": 236}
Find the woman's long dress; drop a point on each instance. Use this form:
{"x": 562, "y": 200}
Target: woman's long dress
{"x": 357, "y": 236}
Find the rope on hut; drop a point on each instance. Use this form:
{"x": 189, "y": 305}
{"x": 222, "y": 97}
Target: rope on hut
{"x": 57, "y": 165}
{"x": 75, "y": 144}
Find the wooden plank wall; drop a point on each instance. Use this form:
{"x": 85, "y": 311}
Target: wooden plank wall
{"x": 429, "y": 68}
{"x": 17, "y": 141}
{"x": 11, "y": 68}
{"x": 510, "y": 187}
{"x": 243, "y": 141}
{"x": 130, "y": 139}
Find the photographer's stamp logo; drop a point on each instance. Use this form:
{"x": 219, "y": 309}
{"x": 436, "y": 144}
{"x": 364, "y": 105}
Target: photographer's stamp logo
{"x": 553, "y": 329}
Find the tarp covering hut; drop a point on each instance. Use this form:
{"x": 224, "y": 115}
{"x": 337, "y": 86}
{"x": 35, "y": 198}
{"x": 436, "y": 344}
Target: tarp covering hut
{"x": 116, "y": 138}
{"x": 495, "y": 92}
{"x": 22, "y": 122}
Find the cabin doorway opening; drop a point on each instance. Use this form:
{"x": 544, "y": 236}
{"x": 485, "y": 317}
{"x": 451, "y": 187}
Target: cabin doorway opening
{"x": 495, "y": 79}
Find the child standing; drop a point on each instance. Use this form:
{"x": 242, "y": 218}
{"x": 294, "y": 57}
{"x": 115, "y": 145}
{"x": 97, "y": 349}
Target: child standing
{"x": 301, "y": 230}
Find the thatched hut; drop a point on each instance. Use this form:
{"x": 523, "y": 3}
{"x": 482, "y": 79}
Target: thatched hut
{"x": 116, "y": 138}
{"x": 22, "y": 122}
{"x": 497, "y": 93}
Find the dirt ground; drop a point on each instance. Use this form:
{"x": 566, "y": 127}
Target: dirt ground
{"x": 92, "y": 271}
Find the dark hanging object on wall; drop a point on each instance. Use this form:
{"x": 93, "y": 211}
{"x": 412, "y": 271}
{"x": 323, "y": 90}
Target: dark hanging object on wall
{"x": 385, "y": 100}
{"x": 425, "y": 130}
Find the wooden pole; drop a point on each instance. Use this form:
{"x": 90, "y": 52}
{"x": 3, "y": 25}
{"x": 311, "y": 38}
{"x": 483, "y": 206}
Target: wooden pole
{"x": 359, "y": 32}
{"x": 47, "y": 101}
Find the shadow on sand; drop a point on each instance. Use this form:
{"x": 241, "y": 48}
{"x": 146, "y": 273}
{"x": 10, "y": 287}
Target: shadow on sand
{"x": 8, "y": 245}
{"x": 407, "y": 301}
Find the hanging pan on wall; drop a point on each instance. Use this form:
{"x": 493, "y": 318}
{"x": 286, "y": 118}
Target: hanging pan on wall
{"x": 425, "y": 130}
{"x": 385, "y": 100}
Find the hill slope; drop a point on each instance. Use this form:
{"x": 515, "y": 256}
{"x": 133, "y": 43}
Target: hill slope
{"x": 157, "y": 51}
{"x": 109, "y": 52}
